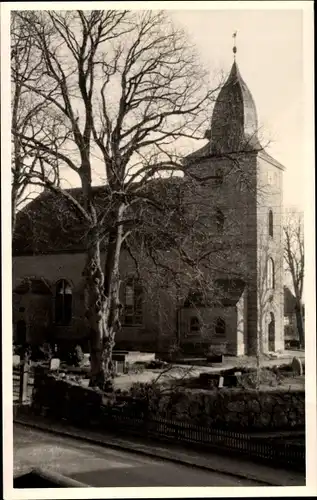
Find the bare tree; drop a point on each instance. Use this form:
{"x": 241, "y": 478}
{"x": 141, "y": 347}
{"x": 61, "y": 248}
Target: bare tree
{"x": 189, "y": 252}
{"x": 295, "y": 264}
{"x": 120, "y": 88}
{"x": 21, "y": 113}
{"x": 29, "y": 115}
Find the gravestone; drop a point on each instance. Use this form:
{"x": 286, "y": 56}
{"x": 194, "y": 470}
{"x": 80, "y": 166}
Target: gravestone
{"x": 115, "y": 367}
{"x": 297, "y": 366}
{"x": 221, "y": 381}
{"x": 55, "y": 364}
{"x": 16, "y": 360}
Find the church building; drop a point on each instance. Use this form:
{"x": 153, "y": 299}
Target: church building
{"x": 247, "y": 184}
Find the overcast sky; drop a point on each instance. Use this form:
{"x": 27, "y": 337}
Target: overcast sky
{"x": 270, "y": 59}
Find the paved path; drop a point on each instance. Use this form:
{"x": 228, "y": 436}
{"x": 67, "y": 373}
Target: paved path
{"x": 101, "y": 467}
{"x": 215, "y": 463}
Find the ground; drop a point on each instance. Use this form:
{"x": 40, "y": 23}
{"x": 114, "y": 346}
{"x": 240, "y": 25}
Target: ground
{"x": 101, "y": 467}
{"x": 178, "y": 371}
{"x": 123, "y": 382}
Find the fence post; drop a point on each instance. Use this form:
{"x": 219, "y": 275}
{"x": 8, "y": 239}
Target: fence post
{"x": 24, "y": 379}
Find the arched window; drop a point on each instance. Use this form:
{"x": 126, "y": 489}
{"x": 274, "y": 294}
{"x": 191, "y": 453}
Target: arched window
{"x": 63, "y": 303}
{"x": 220, "y": 327}
{"x": 271, "y": 223}
{"x": 194, "y": 324}
{"x": 220, "y": 220}
{"x": 133, "y": 303}
{"x": 270, "y": 274}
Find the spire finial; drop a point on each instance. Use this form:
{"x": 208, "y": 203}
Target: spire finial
{"x": 234, "y": 50}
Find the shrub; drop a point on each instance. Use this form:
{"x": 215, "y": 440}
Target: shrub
{"x": 38, "y": 353}
{"x": 252, "y": 379}
{"x": 71, "y": 355}
{"x": 47, "y": 350}
{"x": 148, "y": 394}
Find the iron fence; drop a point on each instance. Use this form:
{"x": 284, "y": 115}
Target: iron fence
{"x": 221, "y": 440}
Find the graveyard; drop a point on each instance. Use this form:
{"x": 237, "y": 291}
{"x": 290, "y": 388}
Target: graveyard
{"x": 230, "y": 407}
{"x": 286, "y": 370}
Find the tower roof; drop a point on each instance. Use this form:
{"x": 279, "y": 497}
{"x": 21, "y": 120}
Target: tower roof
{"x": 234, "y": 121}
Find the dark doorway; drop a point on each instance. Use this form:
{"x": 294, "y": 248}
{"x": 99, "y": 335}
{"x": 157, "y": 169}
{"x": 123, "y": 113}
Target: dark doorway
{"x": 272, "y": 333}
{"x": 21, "y": 332}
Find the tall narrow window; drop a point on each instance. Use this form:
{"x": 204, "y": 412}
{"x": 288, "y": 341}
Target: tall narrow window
{"x": 194, "y": 324}
{"x": 220, "y": 327}
{"x": 220, "y": 221}
{"x": 270, "y": 274}
{"x": 63, "y": 303}
{"x": 133, "y": 303}
{"x": 271, "y": 223}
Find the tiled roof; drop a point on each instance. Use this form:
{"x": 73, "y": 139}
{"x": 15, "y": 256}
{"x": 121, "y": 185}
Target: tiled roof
{"x": 32, "y": 285}
{"x": 289, "y": 301}
{"x": 227, "y": 291}
{"x": 234, "y": 119}
{"x": 49, "y": 224}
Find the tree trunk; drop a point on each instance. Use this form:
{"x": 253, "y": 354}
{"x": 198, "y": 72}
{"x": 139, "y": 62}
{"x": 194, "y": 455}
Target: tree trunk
{"x": 14, "y": 196}
{"x": 299, "y": 323}
{"x": 258, "y": 356}
{"x": 96, "y": 305}
{"x": 112, "y": 284}
{"x": 102, "y": 303}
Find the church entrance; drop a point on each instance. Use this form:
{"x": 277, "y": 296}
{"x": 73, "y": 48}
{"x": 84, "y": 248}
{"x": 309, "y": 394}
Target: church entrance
{"x": 272, "y": 333}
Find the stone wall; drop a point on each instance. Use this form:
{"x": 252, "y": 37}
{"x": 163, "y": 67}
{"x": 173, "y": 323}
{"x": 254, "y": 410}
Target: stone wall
{"x": 237, "y": 408}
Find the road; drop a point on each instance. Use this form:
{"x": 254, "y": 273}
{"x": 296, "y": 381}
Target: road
{"x": 99, "y": 466}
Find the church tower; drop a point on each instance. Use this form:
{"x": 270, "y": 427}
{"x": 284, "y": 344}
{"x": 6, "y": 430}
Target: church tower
{"x": 250, "y": 198}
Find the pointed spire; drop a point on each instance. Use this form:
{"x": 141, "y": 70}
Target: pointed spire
{"x": 234, "y": 50}
{"x": 234, "y": 118}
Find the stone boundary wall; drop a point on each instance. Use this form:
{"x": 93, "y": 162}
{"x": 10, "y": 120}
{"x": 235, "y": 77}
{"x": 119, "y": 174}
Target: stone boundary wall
{"x": 235, "y": 409}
